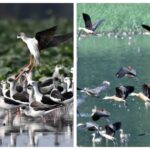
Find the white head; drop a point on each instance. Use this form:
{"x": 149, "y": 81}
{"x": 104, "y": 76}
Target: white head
{"x": 21, "y": 35}
{"x": 58, "y": 67}
{"x": 11, "y": 80}
{"x": 106, "y": 82}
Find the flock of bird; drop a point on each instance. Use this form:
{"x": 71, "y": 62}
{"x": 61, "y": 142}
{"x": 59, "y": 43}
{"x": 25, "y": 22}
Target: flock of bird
{"x": 21, "y": 95}
{"x": 122, "y": 92}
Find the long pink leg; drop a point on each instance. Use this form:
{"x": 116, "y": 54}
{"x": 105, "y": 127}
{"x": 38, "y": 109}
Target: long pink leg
{"x": 30, "y": 63}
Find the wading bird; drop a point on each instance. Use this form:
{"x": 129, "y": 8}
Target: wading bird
{"x": 42, "y": 40}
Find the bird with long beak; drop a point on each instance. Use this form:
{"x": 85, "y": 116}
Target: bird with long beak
{"x": 42, "y": 40}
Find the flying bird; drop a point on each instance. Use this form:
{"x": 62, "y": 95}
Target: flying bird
{"x": 122, "y": 93}
{"x": 126, "y": 71}
{"x": 99, "y": 113}
{"x": 95, "y": 91}
{"x": 89, "y": 27}
{"x": 42, "y": 40}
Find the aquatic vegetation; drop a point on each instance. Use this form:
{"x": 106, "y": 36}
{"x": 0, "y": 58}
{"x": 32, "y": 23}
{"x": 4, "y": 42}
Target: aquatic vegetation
{"x": 119, "y": 17}
{"x": 14, "y": 51}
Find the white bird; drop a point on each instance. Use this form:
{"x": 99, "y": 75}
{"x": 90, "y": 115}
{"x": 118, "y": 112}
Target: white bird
{"x": 124, "y": 137}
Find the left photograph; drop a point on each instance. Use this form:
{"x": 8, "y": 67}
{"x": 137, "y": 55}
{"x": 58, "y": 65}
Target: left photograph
{"x": 36, "y": 75}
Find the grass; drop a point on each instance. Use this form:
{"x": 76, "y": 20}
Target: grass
{"x": 14, "y": 54}
{"x": 119, "y": 17}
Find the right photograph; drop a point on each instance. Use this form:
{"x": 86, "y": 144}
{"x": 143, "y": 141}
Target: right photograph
{"x": 113, "y": 75}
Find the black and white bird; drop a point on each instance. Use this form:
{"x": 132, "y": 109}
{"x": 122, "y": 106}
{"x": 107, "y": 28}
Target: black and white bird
{"x": 39, "y": 97}
{"x": 89, "y": 27}
{"x": 144, "y": 95}
{"x": 37, "y": 109}
{"x": 99, "y": 113}
{"x": 122, "y": 93}
{"x": 96, "y": 91}
{"x": 42, "y": 40}
{"x": 109, "y": 131}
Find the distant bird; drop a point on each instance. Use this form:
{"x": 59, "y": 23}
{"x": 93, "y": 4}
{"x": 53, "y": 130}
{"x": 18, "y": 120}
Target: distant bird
{"x": 124, "y": 137}
{"x": 96, "y": 137}
{"x": 89, "y": 27}
{"x": 42, "y": 40}
{"x": 96, "y": 91}
{"x": 126, "y": 71}
{"x": 99, "y": 113}
{"x": 144, "y": 95}
{"x": 122, "y": 93}
{"x": 110, "y": 131}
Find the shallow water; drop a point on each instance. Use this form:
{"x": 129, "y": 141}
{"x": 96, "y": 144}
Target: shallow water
{"x": 55, "y": 130}
{"x": 99, "y": 58}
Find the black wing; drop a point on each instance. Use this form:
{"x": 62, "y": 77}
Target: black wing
{"x": 146, "y": 89}
{"x": 122, "y": 72}
{"x": 97, "y": 24}
{"x": 87, "y": 21}
{"x": 119, "y": 92}
{"x": 53, "y": 41}
{"x": 44, "y": 36}
{"x": 146, "y": 27}
{"x": 112, "y": 128}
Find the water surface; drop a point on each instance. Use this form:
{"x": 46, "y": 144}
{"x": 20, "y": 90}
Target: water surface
{"x": 99, "y": 58}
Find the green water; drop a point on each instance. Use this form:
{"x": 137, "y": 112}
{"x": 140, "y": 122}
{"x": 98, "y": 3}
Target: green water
{"x": 99, "y": 58}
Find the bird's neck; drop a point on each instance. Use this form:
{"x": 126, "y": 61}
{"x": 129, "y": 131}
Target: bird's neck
{"x": 29, "y": 77}
{"x": 31, "y": 96}
{"x": 12, "y": 89}
{"x": 109, "y": 97}
{"x": 56, "y": 73}
{"x": 4, "y": 89}
{"x": 37, "y": 93}
{"x": 134, "y": 94}
{"x": 24, "y": 38}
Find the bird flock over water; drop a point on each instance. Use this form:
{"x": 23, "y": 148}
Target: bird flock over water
{"x": 108, "y": 131}
{"x": 37, "y": 101}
